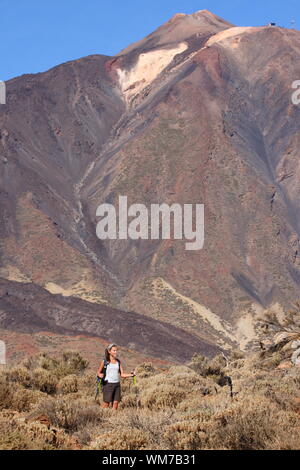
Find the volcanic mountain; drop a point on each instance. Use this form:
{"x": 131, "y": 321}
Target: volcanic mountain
{"x": 199, "y": 111}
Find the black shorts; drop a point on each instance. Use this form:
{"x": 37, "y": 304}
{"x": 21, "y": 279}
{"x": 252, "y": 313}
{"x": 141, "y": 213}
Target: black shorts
{"x": 111, "y": 392}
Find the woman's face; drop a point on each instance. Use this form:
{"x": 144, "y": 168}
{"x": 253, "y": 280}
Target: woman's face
{"x": 113, "y": 351}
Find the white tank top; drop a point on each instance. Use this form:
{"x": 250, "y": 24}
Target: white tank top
{"x": 112, "y": 373}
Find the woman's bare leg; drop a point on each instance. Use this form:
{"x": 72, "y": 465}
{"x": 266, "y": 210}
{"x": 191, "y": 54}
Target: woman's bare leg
{"x": 105, "y": 404}
{"x": 115, "y": 405}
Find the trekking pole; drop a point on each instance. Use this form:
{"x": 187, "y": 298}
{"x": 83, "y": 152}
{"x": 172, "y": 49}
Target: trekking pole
{"x": 135, "y": 390}
{"x": 98, "y": 387}
{"x": 229, "y": 382}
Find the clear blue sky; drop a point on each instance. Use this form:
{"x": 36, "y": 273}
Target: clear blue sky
{"x": 36, "y": 35}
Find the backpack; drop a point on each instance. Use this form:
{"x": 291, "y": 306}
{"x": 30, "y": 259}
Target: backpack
{"x": 105, "y": 366}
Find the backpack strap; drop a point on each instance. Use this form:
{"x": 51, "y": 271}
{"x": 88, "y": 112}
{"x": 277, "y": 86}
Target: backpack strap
{"x": 104, "y": 368}
{"x": 106, "y": 364}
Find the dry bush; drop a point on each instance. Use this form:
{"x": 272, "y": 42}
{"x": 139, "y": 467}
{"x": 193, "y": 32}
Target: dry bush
{"x": 44, "y": 380}
{"x": 15, "y": 439}
{"x": 145, "y": 370}
{"x": 248, "y": 424}
{"x": 294, "y": 375}
{"x": 84, "y": 435}
{"x": 192, "y": 404}
{"x": 20, "y": 375}
{"x": 180, "y": 408}
{"x": 87, "y": 381}
{"x": 68, "y": 384}
{"x": 195, "y": 385}
{"x": 72, "y": 363}
{"x": 282, "y": 392}
{"x": 38, "y": 378}
{"x": 24, "y": 400}
{"x": 127, "y": 386}
{"x": 167, "y": 390}
{"x": 216, "y": 365}
{"x": 19, "y": 434}
{"x": 125, "y": 439}
{"x": 6, "y": 392}
{"x": 13, "y": 396}
{"x": 162, "y": 396}
{"x": 236, "y": 354}
{"x": 270, "y": 361}
{"x": 42, "y": 360}
{"x": 272, "y": 321}
{"x": 206, "y": 367}
{"x": 130, "y": 399}
{"x": 180, "y": 377}
{"x": 251, "y": 424}
{"x": 281, "y": 389}
{"x": 148, "y": 422}
{"x": 184, "y": 435}
{"x": 70, "y": 415}
{"x": 292, "y": 318}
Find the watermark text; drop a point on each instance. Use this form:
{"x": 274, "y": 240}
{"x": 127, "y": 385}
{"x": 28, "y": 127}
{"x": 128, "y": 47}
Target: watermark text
{"x": 146, "y": 222}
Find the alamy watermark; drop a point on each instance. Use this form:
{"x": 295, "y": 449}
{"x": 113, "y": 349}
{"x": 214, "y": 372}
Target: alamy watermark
{"x": 296, "y": 94}
{"x": 2, "y": 353}
{"x": 146, "y": 223}
{"x": 2, "y": 92}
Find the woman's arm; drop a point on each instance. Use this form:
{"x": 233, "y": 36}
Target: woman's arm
{"x": 125, "y": 376}
{"x": 99, "y": 373}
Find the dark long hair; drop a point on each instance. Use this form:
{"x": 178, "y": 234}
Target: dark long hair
{"x": 107, "y": 355}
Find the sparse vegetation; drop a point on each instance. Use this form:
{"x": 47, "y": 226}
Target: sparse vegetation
{"x": 49, "y": 403}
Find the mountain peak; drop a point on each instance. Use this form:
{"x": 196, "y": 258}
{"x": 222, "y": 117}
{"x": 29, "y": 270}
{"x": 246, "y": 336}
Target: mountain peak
{"x": 181, "y": 27}
{"x": 204, "y": 15}
{"x": 204, "y": 12}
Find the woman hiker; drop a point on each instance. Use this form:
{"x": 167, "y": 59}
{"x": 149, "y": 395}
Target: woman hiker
{"x": 110, "y": 371}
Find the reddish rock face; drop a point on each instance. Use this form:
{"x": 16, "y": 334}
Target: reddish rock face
{"x": 284, "y": 365}
{"x": 197, "y": 112}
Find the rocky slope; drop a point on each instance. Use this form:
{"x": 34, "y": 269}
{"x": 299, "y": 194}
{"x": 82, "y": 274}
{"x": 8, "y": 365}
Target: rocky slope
{"x": 199, "y": 111}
